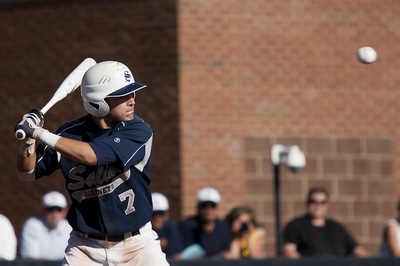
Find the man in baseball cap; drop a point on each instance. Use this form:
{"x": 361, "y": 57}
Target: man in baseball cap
{"x": 206, "y": 229}
{"x": 46, "y": 236}
{"x": 167, "y": 230}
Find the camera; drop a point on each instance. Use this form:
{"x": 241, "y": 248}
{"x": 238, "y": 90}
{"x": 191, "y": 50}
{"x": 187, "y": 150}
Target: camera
{"x": 244, "y": 228}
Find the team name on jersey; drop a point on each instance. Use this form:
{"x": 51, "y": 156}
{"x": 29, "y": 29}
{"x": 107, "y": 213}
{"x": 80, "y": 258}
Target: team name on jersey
{"x": 107, "y": 175}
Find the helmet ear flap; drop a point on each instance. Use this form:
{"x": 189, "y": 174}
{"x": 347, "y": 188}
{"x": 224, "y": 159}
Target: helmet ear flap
{"x": 98, "y": 109}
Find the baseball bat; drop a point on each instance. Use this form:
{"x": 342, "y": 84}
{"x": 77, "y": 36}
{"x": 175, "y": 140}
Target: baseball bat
{"x": 70, "y": 84}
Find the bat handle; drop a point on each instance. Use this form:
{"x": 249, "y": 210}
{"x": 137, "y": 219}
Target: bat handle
{"x": 48, "y": 106}
{"x": 20, "y": 134}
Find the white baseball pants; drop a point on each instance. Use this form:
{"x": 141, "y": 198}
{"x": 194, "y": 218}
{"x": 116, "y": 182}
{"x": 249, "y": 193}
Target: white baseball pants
{"x": 142, "y": 249}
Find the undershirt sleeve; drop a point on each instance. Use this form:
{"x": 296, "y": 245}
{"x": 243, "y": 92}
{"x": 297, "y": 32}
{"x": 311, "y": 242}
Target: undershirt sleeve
{"x": 104, "y": 153}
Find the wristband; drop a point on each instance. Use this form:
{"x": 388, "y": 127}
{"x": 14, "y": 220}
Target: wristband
{"x": 48, "y": 138}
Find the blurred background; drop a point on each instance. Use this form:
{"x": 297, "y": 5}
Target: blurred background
{"x": 226, "y": 80}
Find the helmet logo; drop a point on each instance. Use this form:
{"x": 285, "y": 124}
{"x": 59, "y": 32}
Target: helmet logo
{"x": 127, "y": 76}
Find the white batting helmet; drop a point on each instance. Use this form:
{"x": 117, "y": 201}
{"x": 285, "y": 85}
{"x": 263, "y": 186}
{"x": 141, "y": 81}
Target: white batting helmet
{"x": 104, "y": 80}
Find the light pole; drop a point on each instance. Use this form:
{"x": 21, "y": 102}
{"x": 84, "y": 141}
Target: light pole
{"x": 294, "y": 159}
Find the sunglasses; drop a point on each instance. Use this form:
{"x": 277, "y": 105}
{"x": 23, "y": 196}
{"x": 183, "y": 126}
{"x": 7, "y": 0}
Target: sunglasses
{"x": 207, "y": 205}
{"x": 52, "y": 209}
{"x": 317, "y": 202}
{"x": 158, "y": 213}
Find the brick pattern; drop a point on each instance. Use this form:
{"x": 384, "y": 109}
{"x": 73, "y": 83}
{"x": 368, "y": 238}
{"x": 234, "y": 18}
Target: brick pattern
{"x": 362, "y": 194}
{"x": 263, "y": 72}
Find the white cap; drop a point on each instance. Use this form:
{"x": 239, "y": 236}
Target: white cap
{"x": 54, "y": 199}
{"x": 160, "y": 202}
{"x": 208, "y": 194}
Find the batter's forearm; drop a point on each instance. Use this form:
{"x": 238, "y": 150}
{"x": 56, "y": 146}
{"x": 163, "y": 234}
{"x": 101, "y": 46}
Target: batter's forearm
{"x": 26, "y": 163}
{"x": 77, "y": 151}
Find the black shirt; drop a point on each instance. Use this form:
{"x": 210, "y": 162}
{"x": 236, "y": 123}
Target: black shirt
{"x": 332, "y": 239}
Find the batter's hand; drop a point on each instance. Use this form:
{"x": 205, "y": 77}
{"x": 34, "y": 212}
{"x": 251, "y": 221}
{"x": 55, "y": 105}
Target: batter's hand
{"x": 30, "y": 128}
{"x": 36, "y": 115}
{"x": 37, "y": 119}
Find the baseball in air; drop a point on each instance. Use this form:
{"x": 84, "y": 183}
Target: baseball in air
{"x": 367, "y": 55}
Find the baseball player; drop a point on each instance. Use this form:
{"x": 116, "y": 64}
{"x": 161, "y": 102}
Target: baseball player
{"x": 105, "y": 159}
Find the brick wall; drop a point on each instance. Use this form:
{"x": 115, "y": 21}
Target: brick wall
{"x": 260, "y": 72}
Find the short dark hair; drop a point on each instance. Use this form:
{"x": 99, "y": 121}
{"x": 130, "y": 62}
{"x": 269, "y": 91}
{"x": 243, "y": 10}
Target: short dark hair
{"x": 314, "y": 190}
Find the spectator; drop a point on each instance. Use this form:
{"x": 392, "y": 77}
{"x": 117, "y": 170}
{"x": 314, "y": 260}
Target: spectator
{"x": 8, "y": 240}
{"x": 390, "y": 246}
{"x": 167, "y": 230}
{"x": 248, "y": 237}
{"x": 45, "y": 236}
{"x": 205, "y": 233}
{"x": 316, "y": 235}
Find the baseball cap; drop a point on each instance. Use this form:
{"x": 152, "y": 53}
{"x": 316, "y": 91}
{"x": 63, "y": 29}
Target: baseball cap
{"x": 208, "y": 194}
{"x": 160, "y": 202}
{"x": 54, "y": 199}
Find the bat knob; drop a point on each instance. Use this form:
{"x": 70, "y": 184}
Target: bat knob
{"x": 20, "y": 134}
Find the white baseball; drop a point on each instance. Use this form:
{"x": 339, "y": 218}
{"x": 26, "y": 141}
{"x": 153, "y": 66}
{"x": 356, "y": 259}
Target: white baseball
{"x": 367, "y": 55}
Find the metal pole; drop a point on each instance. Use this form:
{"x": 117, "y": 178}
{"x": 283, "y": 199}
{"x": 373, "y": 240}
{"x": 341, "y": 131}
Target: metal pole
{"x": 277, "y": 210}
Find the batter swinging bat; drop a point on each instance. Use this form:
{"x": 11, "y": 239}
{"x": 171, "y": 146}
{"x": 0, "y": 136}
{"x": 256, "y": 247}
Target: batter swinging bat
{"x": 70, "y": 83}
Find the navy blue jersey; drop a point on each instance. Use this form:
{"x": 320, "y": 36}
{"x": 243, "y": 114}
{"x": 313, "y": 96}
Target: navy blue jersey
{"x": 213, "y": 243}
{"x": 170, "y": 238}
{"x": 108, "y": 199}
